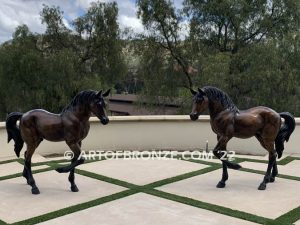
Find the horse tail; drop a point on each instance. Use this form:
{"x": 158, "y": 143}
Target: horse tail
{"x": 285, "y": 132}
{"x": 13, "y": 132}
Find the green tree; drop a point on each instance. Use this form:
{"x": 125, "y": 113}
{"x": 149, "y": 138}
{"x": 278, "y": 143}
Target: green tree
{"x": 47, "y": 70}
{"x": 233, "y": 24}
{"x": 162, "y": 21}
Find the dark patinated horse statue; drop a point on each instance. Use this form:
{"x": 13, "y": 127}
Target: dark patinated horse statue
{"x": 227, "y": 121}
{"x": 71, "y": 125}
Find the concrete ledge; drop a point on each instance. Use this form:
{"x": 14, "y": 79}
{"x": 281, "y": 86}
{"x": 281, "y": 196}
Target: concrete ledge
{"x": 152, "y": 132}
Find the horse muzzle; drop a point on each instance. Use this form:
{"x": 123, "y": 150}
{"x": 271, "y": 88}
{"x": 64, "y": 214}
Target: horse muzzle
{"x": 104, "y": 120}
{"x": 194, "y": 116}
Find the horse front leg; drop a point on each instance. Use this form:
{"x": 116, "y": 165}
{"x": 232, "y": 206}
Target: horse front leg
{"x": 221, "y": 146}
{"x": 77, "y": 160}
{"x": 224, "y": 178}
{"x": 71, "y": 179}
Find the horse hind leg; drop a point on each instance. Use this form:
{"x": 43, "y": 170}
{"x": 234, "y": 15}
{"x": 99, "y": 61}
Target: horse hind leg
{"x": 271, "y": 165}
{"x": 274, "y": 172}
{"x": 274, "y": 169}
{"x": 27, "y": 173}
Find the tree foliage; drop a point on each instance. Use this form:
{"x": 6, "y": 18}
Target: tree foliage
{"x": 250, "y": 49}
{"x": 233, "y": 24}
{"x": 46, "y": 70}
{"x": 247, "y": 48}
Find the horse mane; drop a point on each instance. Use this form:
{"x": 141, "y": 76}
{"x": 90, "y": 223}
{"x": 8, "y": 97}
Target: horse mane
{"x": 214, "y": 93}
{"x": 83, "y": 98}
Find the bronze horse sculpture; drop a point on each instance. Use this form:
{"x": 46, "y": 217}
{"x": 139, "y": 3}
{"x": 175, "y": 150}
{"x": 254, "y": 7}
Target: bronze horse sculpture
{"x": 227, "y": 121}
{"x": 71, "y": 125}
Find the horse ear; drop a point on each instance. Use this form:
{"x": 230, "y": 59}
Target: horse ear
{"x": 201, "y": 91}
{"x": 106, "y": 93}
{"x": 193, "y": 91}
{"x": 99, "y": 93}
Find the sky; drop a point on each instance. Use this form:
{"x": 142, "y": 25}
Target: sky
{"x": 17, "y": 12}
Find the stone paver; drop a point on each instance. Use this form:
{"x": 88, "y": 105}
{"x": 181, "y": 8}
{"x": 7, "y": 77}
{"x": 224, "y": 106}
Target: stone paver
{"x": 17, "y": 202}
{"x": 36, "y": 158}
{"x": 140, "y": 171}
{"x": 240, "y": 193}
{"x": 143, "y": 209}
{"x": 292, "y": 168}
{"x": 258, "y": 157}
{"x": 7, "y": 158}
{"x": 54, "y": 158}
{"x": 39, "y": 158}
{"x": 262, "y": 157}
{"x": 297, "y": 223}
{"x": 247, "y": 157}
{"x": 15, "y": 167}
{"x": 266, "y": 157}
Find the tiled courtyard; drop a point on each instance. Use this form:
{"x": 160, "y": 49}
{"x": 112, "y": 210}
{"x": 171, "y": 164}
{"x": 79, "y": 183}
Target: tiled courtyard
{"x": 147, "y": 192}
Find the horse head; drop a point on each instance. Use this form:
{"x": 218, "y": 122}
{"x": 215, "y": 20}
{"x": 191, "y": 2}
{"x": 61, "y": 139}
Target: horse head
{"x": 200, "y": 103}
{"x": 98, "y": 105}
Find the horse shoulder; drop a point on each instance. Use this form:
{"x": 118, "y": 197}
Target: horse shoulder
{"x": 222, "y": 124}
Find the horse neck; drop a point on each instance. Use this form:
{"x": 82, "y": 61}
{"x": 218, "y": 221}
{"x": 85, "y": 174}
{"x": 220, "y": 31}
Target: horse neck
{"x": 80, "y": 112}
{"x": 215, "y": 107}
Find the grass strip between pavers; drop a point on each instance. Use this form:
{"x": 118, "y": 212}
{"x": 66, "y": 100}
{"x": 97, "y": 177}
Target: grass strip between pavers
{"x": 106, "y": 179}
{"x": 210, "y": 207}
{"x": 286, "y": 160}
{"x": 290, "y": 217}
{"x": 149, "y": 190}
{"x": 20, "y": 174}
{"x": 181, "y": 177}
{"x": 8, "y": 161}
{"x": 75, "y": 208}
{"x": 288, "y": 177}
{"x": 287, "y": 218}
{"x": 252, "y": 170}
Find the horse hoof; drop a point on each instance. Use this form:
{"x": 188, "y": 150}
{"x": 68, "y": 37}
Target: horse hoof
{"x": 262, "y": 186}
{"x": 35, "y": 191}
{"x": 74, "y": 188}
{"x": 221, "y": 184}
{"x": 60, "y": 170}
{"x": 272, "y": 179}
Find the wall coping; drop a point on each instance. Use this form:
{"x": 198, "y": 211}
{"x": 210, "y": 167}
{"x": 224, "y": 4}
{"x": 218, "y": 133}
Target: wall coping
{"x": 150, "y": 118}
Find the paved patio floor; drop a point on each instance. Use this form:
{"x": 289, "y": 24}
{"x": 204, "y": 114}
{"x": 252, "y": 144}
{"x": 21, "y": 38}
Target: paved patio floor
{"x": 150, "y": 191}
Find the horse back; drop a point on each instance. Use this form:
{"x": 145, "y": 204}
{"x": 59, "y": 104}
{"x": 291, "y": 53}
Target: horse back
{"x": 42, "y": 124}
{"x": 255, "y": 121}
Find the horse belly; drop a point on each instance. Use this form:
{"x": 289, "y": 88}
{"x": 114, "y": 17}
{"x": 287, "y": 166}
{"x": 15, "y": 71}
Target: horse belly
{"x": 247, "y": 126}
{"x": 51, "y": 129}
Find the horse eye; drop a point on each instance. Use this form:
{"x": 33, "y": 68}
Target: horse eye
{"x": 199, "y": 100}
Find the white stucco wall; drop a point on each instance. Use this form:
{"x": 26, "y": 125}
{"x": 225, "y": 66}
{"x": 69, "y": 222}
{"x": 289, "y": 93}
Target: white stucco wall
{"x": 152, "y": 132}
